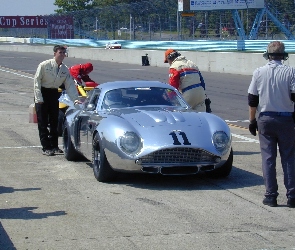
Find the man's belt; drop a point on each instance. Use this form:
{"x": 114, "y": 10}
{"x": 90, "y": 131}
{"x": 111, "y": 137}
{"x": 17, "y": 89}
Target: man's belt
{"x": 191, "y": 87}
{"x": 48, "y": 88}
{"x": 277, "y": 113}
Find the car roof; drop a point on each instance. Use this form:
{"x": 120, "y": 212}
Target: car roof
{"x": 130, "y": 84}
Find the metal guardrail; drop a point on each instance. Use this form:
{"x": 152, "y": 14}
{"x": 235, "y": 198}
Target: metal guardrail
{"x": 194, "y": 45}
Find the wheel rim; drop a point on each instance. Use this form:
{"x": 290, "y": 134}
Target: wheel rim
{"x": 96, "y": 158}
{"x": 65, "y": 140}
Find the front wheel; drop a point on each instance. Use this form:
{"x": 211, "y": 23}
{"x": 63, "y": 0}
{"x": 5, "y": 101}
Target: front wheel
{"x": 101, "y": 167}
{"x": 224, "y": 170}
{"x": 60, "y": 126}
{"x": 70, "y": 153}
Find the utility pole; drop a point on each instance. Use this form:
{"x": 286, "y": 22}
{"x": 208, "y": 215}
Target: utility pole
{"x": 96, "y": 20}
{"x": 130, "y": 27}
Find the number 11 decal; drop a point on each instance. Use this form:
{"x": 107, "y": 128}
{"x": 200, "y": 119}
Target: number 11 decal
{"x": 175, "y": 138}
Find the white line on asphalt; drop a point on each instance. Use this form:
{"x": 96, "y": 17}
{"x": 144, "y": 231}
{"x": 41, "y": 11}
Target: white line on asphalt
{"x": 245, "y": 138}
{"x": 13, "y": 57}
{"x": 15, "y": 111}
{"x": 21, "y": 93}
{"x": 8, "y": 71}
{"x": 237, "y": 121}
{"x": 20, "y": 147}
{"x": 242, "y": 141}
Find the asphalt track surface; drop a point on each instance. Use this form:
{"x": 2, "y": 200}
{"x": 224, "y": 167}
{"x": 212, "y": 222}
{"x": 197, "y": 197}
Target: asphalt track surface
{"x": 50, "y": 203}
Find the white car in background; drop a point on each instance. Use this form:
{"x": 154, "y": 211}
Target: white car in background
{"x": 114, "y": 45}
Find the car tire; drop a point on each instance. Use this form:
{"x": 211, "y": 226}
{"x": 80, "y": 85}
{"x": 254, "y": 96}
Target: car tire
{"x": 61, "y": 116}
{"x": 70, "y": 153}
{"x": 101, "y": 167}
{"x": 224, "y": 170}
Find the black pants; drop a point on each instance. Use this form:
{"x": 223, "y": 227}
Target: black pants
{"x": 47, "y": 113}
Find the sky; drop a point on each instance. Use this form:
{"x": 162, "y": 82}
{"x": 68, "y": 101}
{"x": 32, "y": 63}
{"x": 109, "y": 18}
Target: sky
{"x": 26, "y": 7}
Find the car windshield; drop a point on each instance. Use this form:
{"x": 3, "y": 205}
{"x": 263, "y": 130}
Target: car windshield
{"x": 131, "y": 97}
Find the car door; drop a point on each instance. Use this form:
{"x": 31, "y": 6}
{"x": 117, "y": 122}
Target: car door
{"x": 84, "y": 131}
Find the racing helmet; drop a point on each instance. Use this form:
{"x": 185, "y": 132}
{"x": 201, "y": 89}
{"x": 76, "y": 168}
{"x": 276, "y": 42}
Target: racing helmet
{"x": 171, "y": 54}
{"x": 86, "y": 68}
{"x": 113, "y": 97}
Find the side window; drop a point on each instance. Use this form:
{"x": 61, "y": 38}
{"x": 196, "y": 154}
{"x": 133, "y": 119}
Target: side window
{"x": 113, "y": 99}
{"x": 87, "y": 100}
{"x": 174, "y": 99}
{"x": 94, "y": 100}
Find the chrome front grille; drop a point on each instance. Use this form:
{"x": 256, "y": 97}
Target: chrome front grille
{"x": 178, "y": 156}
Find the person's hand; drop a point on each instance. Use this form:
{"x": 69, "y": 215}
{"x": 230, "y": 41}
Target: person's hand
{"x": 77, "y": 102}
{"x": 253, "y": 127}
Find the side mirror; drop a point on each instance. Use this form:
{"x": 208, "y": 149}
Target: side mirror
{"x": 90, "y": 107}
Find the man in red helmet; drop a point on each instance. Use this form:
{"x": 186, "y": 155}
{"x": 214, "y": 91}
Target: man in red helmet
{"x": 80, "y": 72}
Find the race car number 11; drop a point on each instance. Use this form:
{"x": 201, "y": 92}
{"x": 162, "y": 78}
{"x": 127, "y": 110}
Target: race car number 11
{"x": 176, "y": 141}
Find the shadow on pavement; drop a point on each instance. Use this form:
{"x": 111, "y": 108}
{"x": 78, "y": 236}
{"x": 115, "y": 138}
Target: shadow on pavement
{"x": 11, "y": 189}
{"x": 237, "y": 179}
{"x": 246, "y": 153}
{"x": 26, "y": 213}
{"x": 5, "y": 242}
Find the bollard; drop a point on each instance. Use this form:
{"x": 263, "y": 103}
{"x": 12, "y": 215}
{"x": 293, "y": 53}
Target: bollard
{"x": 145, "y": 60}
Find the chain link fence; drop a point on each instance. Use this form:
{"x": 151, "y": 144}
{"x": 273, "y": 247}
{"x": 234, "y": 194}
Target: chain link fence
{"x": 162, "y": 22}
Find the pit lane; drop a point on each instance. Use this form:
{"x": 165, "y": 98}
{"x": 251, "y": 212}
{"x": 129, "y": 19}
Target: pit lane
{"x": 50, "y": 203}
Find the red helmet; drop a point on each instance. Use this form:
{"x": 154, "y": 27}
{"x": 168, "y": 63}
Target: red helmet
{"x": 87, "y": 67}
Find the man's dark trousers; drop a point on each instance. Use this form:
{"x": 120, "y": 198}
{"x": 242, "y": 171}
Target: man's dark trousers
{"x": 47, "y": 114}
{"x": 277, "y": 131}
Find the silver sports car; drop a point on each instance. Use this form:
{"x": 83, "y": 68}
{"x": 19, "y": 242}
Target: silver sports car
{"x": 145, "y": 127}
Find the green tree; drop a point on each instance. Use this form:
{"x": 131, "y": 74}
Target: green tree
{"x": 104, "y": 3}
{"x": 73, "y": 5}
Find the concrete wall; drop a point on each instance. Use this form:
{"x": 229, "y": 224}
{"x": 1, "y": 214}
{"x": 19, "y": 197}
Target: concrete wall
{"x": 219, "y": 62}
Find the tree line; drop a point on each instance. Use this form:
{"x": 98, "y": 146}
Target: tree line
{"x": 161, "y": 15}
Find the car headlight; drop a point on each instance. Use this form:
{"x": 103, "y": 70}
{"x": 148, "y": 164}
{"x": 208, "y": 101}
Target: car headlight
{"x": 130, "y": 143}
{"x": 221, "y": 142}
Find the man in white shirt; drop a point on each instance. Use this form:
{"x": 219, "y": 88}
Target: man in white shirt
{"x": 49, "y": 76}
{"x": 271, "y": 93}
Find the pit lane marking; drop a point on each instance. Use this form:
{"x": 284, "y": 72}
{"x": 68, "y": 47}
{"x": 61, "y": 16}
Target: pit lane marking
{"x": 21, "y": 147}
{"x": 244, "y": 138}
{"x": 13, "y": 57}
{"x": 15, "y": 73}
{"x": 237, "y": 121}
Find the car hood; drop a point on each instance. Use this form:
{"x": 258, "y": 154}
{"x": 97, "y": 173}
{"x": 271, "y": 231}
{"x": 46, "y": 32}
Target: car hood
{"x": 163, "y": 127}
{"x": 153, "y": 117}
